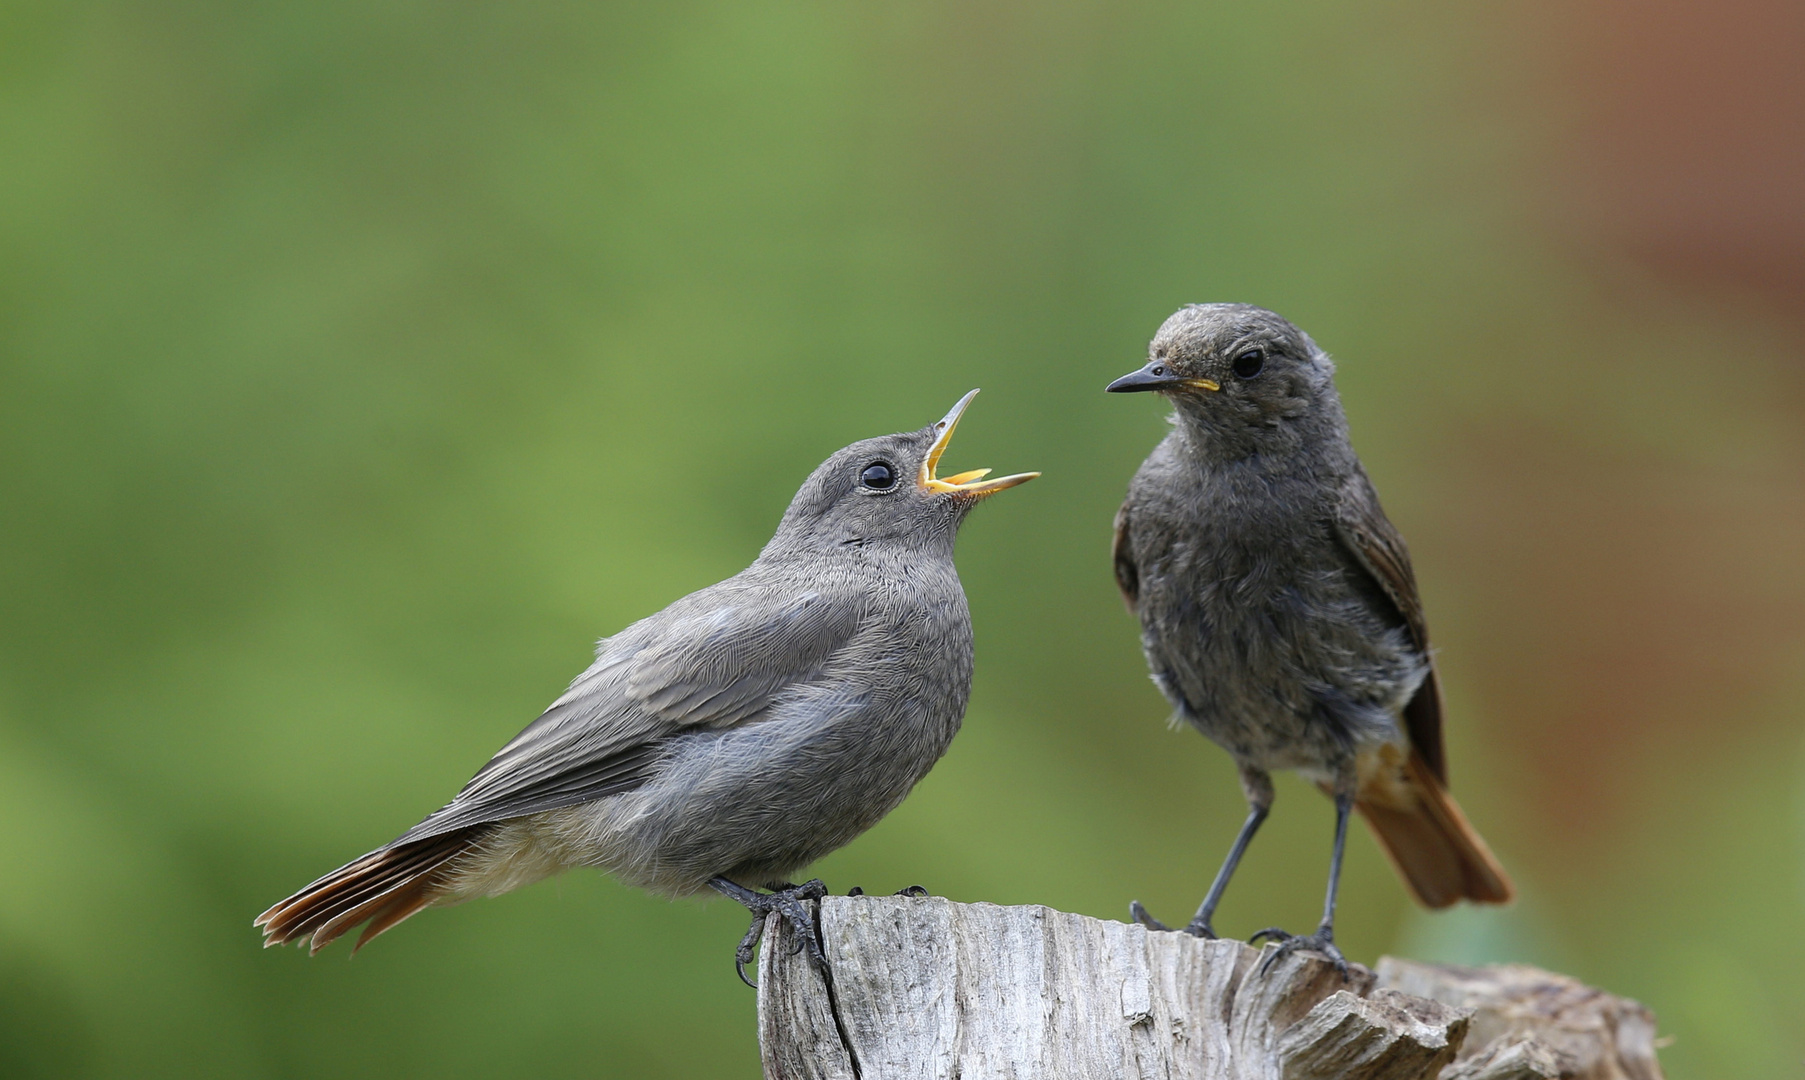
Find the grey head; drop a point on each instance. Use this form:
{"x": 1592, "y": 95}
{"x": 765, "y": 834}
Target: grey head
{"x": 1241, "y": 378}
{"x": 886, "y": 492}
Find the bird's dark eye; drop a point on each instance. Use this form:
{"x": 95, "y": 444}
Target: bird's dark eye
{"x": 877, "y": 475}
{"x": 1160, "y": 370}
{"x": 1249, "y": 363}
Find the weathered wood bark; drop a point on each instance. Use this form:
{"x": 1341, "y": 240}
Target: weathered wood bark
{"x": 932, "y": 989}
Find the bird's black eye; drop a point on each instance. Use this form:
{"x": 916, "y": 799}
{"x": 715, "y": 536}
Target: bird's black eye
{"x": 1160, "y": 369}
{"x": 877, "y": 475}
{"x": 1249, "y": 363}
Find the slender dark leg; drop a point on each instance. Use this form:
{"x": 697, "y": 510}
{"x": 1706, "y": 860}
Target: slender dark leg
{"x": 1200, "y": 922}
{"x": 1323, "y": 941}
{"x": 788, "y": 901}
{"x": 1258, "y": 786}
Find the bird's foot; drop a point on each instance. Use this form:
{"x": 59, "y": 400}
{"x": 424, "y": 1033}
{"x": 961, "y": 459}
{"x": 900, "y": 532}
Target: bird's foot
{"x": 790, "y": 901}
{"x": 1197, "y": 928}
{"x": 1141, "y": 915}
{"x": 913, "y": 891}
{"x": 1323, "y": 941}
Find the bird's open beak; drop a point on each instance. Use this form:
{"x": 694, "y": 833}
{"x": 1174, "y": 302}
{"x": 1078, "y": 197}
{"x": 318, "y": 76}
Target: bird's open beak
{"x": 966, "y": 483}
{"x": 1157, "y": 375}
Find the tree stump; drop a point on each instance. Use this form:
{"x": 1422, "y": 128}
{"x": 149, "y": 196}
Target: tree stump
{"x": 932, "y": 989}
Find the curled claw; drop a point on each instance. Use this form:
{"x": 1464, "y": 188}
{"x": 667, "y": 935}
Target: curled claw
{"x": 791, "y": 902}
{"x": 1323, "y": 941}
{"x": 1140, "y": 915}
{"x": 748, "y": 945}
{"x": 1197, "y": 928}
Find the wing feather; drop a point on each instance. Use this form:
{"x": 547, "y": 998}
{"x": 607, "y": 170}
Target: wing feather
{"x": 1370, "y": 537}
{"x": 1121, "y": 552}
{"x": 717, "y": 658}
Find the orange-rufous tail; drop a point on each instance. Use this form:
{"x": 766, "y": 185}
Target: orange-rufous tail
{"x": 1437, "y": 853}
{"x": 383, "y": 888}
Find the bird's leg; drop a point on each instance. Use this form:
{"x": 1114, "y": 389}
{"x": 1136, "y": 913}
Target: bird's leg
{"x": 1258, "y": 787}
{"x": 1323, "y": 941}
{"x": 788, "y": 901}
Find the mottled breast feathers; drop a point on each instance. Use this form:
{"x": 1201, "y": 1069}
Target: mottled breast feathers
{"x": 1360, "y": 524}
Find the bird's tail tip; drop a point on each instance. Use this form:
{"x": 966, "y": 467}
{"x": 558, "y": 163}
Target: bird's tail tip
{"x": 382, "y": 888}
{"x": 1437, "y": 852}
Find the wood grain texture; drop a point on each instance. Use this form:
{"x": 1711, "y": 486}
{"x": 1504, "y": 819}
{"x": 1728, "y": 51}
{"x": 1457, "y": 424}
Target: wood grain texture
{"x": 926, "y": 988}
{"x": 1575, "y": 1031}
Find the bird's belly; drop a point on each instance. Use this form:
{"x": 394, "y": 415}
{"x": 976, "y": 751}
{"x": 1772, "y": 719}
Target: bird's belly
{"x": 1269, "y": 735}
{"x": 1287, "y": 677}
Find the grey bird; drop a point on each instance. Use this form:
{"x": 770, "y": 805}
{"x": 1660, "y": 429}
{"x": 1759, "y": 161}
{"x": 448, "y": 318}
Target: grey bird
{"x": 734, "y": 737}
{"x": 1279, "y": 612}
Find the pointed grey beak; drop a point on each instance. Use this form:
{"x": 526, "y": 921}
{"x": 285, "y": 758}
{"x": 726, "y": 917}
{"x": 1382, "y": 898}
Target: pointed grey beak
{"x": 1157, "y": 375}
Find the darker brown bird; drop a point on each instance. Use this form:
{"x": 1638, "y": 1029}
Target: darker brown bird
{"x": 1278, "y": 610}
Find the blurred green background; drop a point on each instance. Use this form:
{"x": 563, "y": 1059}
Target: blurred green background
{"x": 362, "y": 363}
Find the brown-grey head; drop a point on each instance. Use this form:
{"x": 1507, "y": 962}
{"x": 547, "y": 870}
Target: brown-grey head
{"x": 887, "y": 489}
{"x": 1228, "y": 365}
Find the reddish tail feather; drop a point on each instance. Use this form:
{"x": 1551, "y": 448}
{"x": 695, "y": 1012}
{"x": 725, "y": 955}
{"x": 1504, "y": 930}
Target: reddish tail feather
{"x": 384, "y": 888}
{"x": 1437, "y": 853}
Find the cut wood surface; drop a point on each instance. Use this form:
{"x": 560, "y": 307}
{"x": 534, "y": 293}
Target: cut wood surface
{"x": 926, "y": 988}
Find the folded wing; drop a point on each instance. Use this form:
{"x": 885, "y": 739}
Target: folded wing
{"x": 716, "y": 658}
